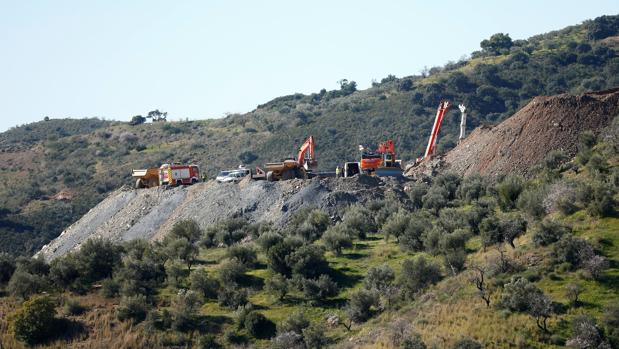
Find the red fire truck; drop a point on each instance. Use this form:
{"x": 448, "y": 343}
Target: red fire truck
{"x": 178, "y": 174}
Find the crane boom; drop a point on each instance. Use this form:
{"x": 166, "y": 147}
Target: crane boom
{"x": 440, "y": 113}
{"x": 306, "y": 153}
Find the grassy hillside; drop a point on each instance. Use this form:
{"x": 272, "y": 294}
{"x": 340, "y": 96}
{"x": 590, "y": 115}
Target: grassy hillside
{"x": 89, "y": 158}
{"x": 391, "y": 274}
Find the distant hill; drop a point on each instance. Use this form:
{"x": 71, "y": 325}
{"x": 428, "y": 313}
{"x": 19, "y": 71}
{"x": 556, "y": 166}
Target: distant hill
{"x": 86, "y": 159}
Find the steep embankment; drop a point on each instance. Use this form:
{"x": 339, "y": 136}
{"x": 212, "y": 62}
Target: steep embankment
{"x": 128, "y": 214}
{"x": 519, "y": 143}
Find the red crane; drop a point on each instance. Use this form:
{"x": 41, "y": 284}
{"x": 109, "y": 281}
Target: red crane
{"x": 440, "y": 113}
{"x": 306, "y": 157}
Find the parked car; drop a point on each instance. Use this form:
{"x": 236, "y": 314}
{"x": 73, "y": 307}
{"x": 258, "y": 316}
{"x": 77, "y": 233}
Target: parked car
{"x": 231, "y": 176}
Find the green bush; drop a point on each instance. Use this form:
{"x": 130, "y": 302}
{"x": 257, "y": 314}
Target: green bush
{"x": 359, "y": 221}
{"x": 259, "y": 326}
{"x": 277, "y": 285}
{"x": 508, "y": 191}
{"x": 548, "y": 232}
{"x": 295, "y": 322}
{"x": 244, "y": 253}
{"x": 379, "y": 278}
{"x": 110, "y": 288}
{"x": 319, "y": 289}
{"x": 232, "y": 297}
{"x": 231, "y": 272}
{"x": 132, "y": 308}
{"x": 337, "y": 238}
{"x": 23, "y": 284}
{"x": 418, "y": 274}
{"x": 7, "y": 267}
{"x": 466, "y": 343}
{"x": 413, "y": 342}
{"x": 34, "y": 322}
{"x": 360, "y": 304}
{"x": 531, "y": 201}
{"x": 201, "y": 283}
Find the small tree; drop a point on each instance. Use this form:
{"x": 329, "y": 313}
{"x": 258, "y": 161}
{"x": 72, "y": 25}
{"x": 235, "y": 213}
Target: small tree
{"x": 478, "y": 279}
{"x": 508, "y": 192}
{"x": 586, "y": 334}
{"x": 133, "y": 308}
{"x": 244, "y": 253}
{"x": 259, "y": 326}
{"x": 34, "y": 322}
{"x": 231, "y": 272}
{"x": 359, "y": 307}
{"x": 188, "y": 229}
{"x": 413, "y": 342}
{"x": 319, "y": 289}
{"x": 182, "y": 249}
{"x": 295, "y": 322}
{"x": 277, "y": 285}
{"x": 232, "y": 297}
{"x": 379, "y": 278}
{"x": 337, "y": 238}
{"x": 137, "y": 120}
{"x": 203, "y": 284}
{"x": 549, "y": 231}
{"x": 23, "y": 284}
{"x": 418, "y": 274}
{"x": 572, "y": 292}
{"x": 7, "y": 267}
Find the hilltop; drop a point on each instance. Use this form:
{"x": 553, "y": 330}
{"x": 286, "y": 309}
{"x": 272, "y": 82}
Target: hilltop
{"x": 84, "y": 160}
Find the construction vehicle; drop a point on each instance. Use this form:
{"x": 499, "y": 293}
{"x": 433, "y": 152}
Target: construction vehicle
{"x": 290, "y": 168}
{"x": 146, "y": 178}
{"x": 443, "y": 107}
{"x": 179, "y": 174}
{"x": 381, "y": 162}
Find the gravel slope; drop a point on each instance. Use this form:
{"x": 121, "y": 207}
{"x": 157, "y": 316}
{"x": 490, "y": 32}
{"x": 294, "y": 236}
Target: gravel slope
{"x": 149, "y": 214}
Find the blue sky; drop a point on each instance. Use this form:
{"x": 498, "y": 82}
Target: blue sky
{"x": 201, "y": 59}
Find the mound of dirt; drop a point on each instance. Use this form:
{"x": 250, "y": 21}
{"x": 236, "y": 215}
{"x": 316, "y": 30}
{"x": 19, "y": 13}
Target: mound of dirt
{"x": 128, "y": 214}
{"x": 519, "y": 143}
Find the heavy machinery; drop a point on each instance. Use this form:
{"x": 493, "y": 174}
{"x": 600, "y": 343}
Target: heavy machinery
{"x": 381, "y": 162}
{"x": 167, "y": 174}
{"x": 146, "y": 178}
{"x": 290, "y": 168}
{"x": 443, "y": 107}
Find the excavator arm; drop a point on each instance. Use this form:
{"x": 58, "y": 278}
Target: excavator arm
{"x": 440, "y": 113}
{"x": 306, "y": 157}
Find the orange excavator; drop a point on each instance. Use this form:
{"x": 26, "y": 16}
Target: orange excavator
{"x": 443, "y": 107}
{"x": 381, "y": 162}
{"x": 290, "y": 168}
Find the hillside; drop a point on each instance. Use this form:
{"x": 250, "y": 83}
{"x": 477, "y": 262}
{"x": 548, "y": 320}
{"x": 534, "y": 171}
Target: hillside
{"x": 520, "y": 143}
{"x": 460, "y": 262}
{"x": 84, "y": 160}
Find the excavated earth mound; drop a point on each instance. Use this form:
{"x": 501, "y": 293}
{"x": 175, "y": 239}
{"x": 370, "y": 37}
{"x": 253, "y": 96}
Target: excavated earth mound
{"x": 128, "y": 214}
{"x": 519, "y": 143}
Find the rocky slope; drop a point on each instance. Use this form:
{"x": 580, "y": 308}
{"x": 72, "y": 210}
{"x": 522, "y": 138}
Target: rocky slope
{"x": 128, "y": 214}
{"x": 519, "y": 143}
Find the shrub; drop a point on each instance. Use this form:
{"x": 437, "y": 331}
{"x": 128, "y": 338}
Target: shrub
{"x": 416, "y": 193}
{"x": 594, "y": 266}
{"x": 110, "y": 288}
{"x": 132, "y": 308}
{"x": 288, "y": 340}
{"x": 231, "y": 272}
{"x": 208, "y": 341}
{"x": 418, "y": 274}
{"x": 232, "y": 297}
{"x": 279, "y": 253}
{"x": 359, "y": 307}
{"x": 395, "y": 225}
{"x": 548, "y": 232}
{"x": 602, "y": 203}
{"x": 23, "y": 284}
{"x": 418, "y": 224}
{"x": 259, "y": 326}
{"x": 319, "y": 289}
{"x": 359, "y": 221}
{"x": 435, "y": 199}
{"x": 337, "y": 238}
{"x": 448, "y": 181}
{"x": 201, "y": 283}
{"x": 183, "y": 250}
{"x": 413, "y": 342}
{"x": 188, "y": 229}
{"x": 586, "y": 334}
{"x": 268, "y": 240}
{"x": 308, "y": 261}
{"x": 314, "y": 337}
{"x": 243, "y": 253}
{"x": 295, "y": 322}
{"x": 572, "y": 250}
{"x": 34, "y": 322}
{"x": 531, "y": 201}
{"x": 523, "y": 296}
{"x": 277, "y": 285}
{"x": 471, "y": 189}
{"x": 508, "y": 191}
{"x": 561, "y": 197}
{"x": 73, "y": 307}
{"x": 379, "y": 278}
{"x": 184, "y": 311}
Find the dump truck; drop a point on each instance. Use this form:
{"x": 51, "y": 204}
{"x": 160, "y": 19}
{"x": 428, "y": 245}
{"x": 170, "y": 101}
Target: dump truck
{"x": 290, "y": 168}
{"x": 146, "y": 178}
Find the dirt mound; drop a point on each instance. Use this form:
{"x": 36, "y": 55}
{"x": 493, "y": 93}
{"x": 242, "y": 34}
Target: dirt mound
{"x": 149, "y": 214}
{"x": 522, "y": 141}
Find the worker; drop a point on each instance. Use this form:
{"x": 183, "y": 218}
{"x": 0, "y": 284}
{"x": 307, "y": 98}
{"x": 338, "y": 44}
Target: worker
{"x": 337, "y": 172}
{"x": 204, "y": 178}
